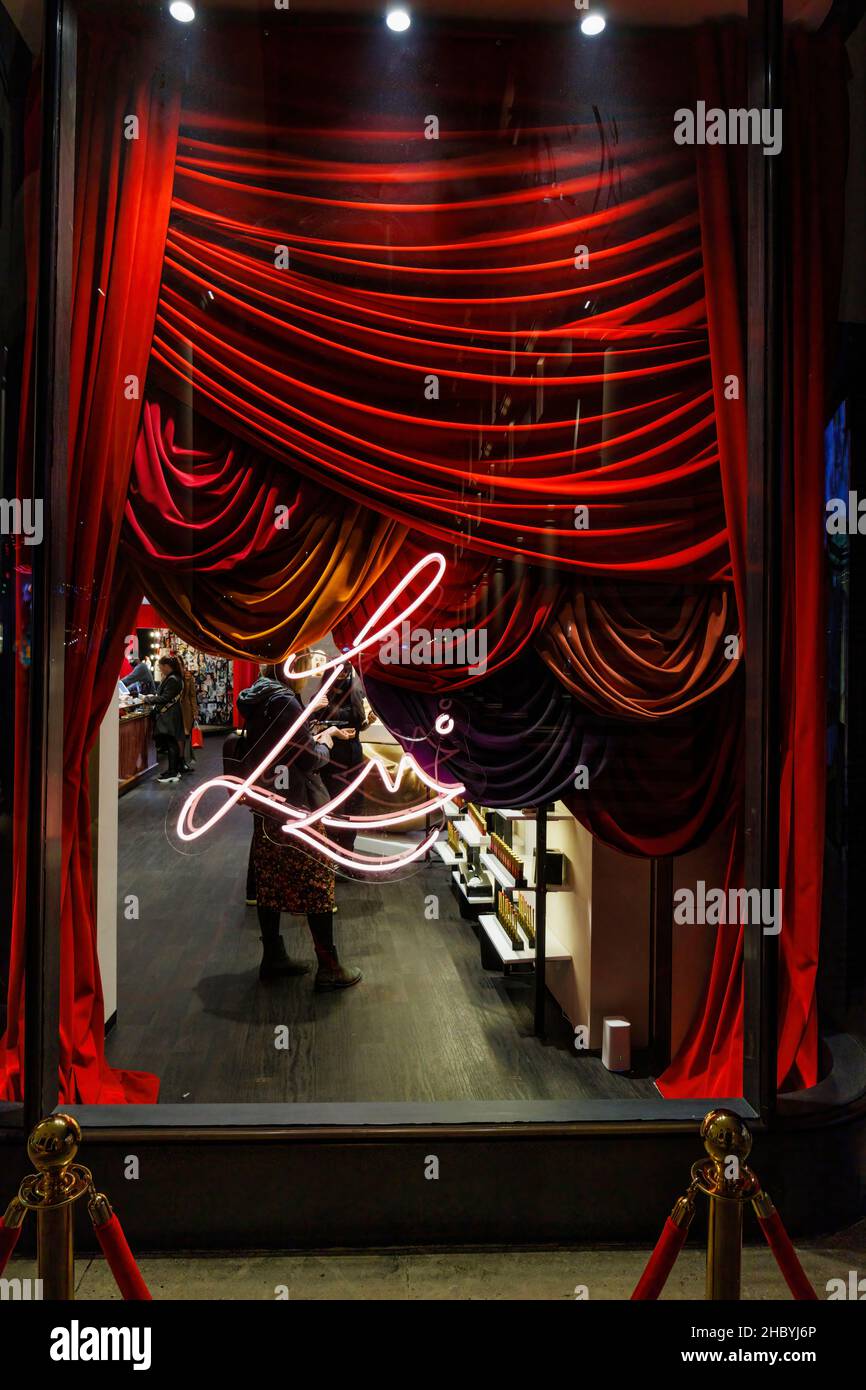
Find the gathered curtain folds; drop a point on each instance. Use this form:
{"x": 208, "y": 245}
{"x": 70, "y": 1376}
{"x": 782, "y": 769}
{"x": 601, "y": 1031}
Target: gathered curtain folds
{"x": 395, "y": 360}
{"x": 395, "y": 346}
{"x": 520, "y": 738}
{"x": 240, "y": 556}
{"x": 122, "y": 202}
{"x": 640, "y": 652}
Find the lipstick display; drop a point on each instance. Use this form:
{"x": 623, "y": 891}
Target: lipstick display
{"x": 507, "y": 858}
{"x": 526, "y": 918}
{"x": 478, "y": 817}
{"x": 506, "y": 916}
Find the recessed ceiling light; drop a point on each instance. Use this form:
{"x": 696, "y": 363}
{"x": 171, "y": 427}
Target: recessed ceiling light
{"x": 181, "y": 11}
{"x": 593, "y": 24}
{"x": 398, "y": 20}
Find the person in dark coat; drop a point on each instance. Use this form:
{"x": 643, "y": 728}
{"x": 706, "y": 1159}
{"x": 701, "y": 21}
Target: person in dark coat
{"x": 346, "y": 714}
{"x": 289, "y": 878}
{"x": 168, "y": 725}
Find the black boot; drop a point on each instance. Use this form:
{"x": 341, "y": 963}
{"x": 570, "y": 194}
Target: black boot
{"x": 276, "y": 961}
{"x": 330, "y": 974}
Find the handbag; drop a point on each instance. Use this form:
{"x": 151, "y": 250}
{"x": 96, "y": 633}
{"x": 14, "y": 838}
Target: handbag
{"x": 196, "y": 737}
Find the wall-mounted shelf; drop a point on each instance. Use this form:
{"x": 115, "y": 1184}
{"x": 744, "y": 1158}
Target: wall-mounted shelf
{"x": 506, "y": 952}
{"x": 475, "y": 897}
{"x": 498, "y": 871}
{"x": 468, "y": 831}
{"x": 506, "y": 880}
{"x": 446, "y": 853}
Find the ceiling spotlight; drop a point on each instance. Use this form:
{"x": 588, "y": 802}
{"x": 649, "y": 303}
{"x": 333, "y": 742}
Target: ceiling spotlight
{"x": 593, "y": 24}
{"x": 398, "y": 20}
{"x": 181, "y": 11}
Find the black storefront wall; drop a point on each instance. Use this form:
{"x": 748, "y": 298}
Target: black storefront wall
{"x": 315, "y": 1177}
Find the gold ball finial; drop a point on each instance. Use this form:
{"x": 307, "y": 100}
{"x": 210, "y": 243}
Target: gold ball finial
{"x": 725, "y": 1134}
{"x": 54, "y": 1143}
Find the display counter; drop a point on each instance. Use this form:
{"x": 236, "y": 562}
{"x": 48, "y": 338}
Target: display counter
{"x": 136, "y": 754}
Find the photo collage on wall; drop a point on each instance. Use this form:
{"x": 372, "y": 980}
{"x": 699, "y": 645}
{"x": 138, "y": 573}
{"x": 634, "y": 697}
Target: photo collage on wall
{"x": 213, "y": 681}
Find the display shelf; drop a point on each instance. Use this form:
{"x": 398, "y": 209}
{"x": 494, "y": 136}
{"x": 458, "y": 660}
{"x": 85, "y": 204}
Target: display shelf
{"x": 470, "y": 833}
{"x": 446, "y": 853}
{"x": 506, "y": 880}
{"x": 506, "y": 952}
{"x": 531, "y": 814}
{"x": 477, "y": 899}
{"x": 498, "y": 871}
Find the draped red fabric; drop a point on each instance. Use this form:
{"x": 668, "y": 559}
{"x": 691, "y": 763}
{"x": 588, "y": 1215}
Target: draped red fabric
{"x": 816, "y": 125}
{"x": 481, "y": 616}
{"x": 121, "y": 211}
{"x": 661, "y": 788}
{"x": 379, "y": 313}
{"x": 10, "y": 1051}
{"x": 815, "y": 154}
{"x": 721, "y": 177}
{"x": 640, "y": 652}
{"x": 243, "y": 675}
{"x": 241, "y": 557}
{"x": 710, "y": 1059}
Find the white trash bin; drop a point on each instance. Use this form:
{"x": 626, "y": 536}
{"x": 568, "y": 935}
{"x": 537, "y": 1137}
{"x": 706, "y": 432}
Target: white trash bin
{"x": 616, "y": 1043}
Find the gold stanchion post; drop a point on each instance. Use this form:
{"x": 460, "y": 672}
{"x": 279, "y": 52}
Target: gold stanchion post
{"x": 728, "y": 1183}
{"x": 51, "y": 1191}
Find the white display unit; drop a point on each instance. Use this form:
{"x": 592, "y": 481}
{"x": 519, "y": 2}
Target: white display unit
{"x": 498, "y": 951}
{"x": 443, "y": 851}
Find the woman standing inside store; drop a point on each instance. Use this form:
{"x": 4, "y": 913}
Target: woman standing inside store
{"x": 168, "y": 726}
{"x": 287, "y": 878}
{"x": 189, "y": 714}
{"x": 346, "y": 714}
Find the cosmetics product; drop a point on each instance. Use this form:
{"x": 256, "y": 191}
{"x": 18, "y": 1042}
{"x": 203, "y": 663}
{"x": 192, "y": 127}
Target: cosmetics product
{"x": 507, "y": 858}
{"x": 526, "y": 918}
{"x": 478, "y": 817}
{"x": 507, "y": 919}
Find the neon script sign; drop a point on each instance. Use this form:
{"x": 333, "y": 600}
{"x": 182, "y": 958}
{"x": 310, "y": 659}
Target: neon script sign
{"x": 311, "y": 827}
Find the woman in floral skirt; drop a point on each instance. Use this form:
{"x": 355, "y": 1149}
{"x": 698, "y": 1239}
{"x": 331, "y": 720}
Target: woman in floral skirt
{"x": 288, "y": 878}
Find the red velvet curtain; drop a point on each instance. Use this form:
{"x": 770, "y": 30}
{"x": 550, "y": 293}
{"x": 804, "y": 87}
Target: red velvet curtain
{"x": 123, "y": 191}
{"x": 815, "y": 156}
{"x": 380, "y": 321}
{"x": 241, "y": 557}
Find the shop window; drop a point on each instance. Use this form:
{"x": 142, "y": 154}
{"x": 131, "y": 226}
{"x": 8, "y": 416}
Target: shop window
{"x": 420, "y": 384}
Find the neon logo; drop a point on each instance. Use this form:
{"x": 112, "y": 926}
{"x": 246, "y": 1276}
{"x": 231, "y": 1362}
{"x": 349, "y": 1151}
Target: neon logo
{"x": 311, "y": 827}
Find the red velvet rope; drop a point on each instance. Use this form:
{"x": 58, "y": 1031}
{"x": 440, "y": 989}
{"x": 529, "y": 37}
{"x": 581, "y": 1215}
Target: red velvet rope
{"x": 786, "y": 1257}
{"x": 661, "y": 1261}
{"x": 121, "y": 1260}
{"x": 8, "y": 1240}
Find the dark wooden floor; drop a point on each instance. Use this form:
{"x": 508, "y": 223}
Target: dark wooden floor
{"x": 427, "y": 1023}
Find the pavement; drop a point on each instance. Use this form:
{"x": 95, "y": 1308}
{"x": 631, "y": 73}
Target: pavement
{"x": 437, "y": 1275}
